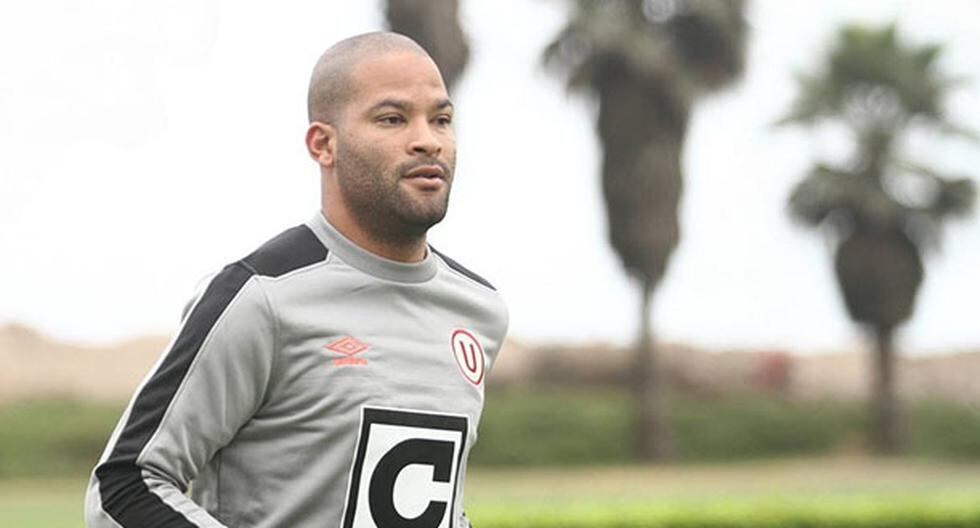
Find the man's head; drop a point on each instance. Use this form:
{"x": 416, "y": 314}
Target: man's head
{"x": 381, "y": 130}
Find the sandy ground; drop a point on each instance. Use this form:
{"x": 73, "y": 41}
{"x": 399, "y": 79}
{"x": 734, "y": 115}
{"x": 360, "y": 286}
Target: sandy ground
{"x": 33, "y": 365}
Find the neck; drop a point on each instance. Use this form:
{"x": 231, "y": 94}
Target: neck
{"x": 401, "y": 249}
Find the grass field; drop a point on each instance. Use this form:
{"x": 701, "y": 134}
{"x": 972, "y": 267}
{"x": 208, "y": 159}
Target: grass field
{"x": 42, "y": 503}
{"x": 555, "y": 458}
{"x": 829, "y": 483}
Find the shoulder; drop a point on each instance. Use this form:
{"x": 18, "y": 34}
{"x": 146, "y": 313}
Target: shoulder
{"x": 293, "y": 249}
{"x": 459, "y": 269}
{"x": 478, "y": 302}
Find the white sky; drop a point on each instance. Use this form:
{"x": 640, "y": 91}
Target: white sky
{"x": 145, "y": 144}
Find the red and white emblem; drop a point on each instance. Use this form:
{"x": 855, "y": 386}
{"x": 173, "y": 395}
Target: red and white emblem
{"x": 469, "y": 356}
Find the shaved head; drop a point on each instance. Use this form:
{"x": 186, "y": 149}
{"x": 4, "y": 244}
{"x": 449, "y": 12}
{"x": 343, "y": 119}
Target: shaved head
{"x": 331, "y": 86}
{"x": 381, "y": 132}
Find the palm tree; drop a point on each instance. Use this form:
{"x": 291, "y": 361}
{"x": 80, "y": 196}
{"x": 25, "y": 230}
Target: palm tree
{"x": 435, "y": 26}
{"x": 646, "y": 63}
{"x": 883, "y": 209}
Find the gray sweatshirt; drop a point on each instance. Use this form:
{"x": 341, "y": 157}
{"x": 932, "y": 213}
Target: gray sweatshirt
{"x": 310, "y": 384}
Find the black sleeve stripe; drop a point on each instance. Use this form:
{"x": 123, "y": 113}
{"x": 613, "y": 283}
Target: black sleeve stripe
{"x": 125, "y": 496}
{"x": 292, "y": 249}
{"x": 459, "y": 268}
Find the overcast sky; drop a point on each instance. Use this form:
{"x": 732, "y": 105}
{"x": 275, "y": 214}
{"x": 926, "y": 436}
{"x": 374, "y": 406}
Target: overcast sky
{"x": 145, "y": 144}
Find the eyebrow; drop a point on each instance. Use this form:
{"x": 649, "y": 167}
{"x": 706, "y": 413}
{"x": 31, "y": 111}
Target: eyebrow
{"x": 406, "y": 106}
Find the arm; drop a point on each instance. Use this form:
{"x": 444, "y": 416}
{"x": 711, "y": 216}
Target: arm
{"x": 209, "y": 382}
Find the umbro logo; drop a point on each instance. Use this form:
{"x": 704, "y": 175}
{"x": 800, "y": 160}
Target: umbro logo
{"x": 348, "y": 347}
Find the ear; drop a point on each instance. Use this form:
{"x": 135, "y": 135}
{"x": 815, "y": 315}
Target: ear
{"x": 321, "y": 143}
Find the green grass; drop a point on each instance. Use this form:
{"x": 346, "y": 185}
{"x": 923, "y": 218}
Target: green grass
{"x": 560, "y": 458}
{"x": 893, "y": 512}
{"x": 839, "y": 491}
{"x": 42, "y": 503}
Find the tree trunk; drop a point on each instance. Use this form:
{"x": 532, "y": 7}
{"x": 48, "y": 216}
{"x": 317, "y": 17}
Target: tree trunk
{"x": 885, "y": 430}
{"x": 652, "y": 439}
{"x": 435, "y": 26}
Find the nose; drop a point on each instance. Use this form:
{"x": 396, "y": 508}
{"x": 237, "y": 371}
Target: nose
{"x": 424, "y": 141}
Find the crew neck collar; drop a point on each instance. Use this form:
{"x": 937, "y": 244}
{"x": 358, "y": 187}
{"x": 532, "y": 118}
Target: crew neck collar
{"x": 368, "y": 262}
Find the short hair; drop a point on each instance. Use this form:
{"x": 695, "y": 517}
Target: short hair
{"x": 330, "y": 85}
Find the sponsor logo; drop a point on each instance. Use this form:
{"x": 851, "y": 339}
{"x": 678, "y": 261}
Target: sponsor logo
{"x": 406, "y": 469}
{"x": 348, "y": 347}
{"x": 469, "y": 356}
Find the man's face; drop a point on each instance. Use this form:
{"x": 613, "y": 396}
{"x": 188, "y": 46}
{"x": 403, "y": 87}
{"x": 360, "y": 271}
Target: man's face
{"x": 396, "y": 151}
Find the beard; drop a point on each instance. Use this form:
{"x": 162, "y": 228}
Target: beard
{"x": 379, "y": 202}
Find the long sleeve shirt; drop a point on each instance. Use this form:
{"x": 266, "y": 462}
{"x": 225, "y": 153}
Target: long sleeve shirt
{"x": 310, "y": 384}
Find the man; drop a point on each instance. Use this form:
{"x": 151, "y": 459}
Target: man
{"x": 333, "y": 377}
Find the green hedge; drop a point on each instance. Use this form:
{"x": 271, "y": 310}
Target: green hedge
{"x": 753, "y": 426}
{"x": 550, "y": 426}
{"x": 562, "y": 426}
{"x": 894, "y": 512}
{"x": 938, "y": 429}
{"x": 53, "y": 438}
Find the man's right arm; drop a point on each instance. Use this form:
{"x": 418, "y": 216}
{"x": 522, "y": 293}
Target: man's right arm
{"x": 208, "y": 383}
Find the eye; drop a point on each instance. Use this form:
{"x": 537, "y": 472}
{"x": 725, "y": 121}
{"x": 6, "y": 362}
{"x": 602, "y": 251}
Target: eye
{"x": 444, "y": 120}
{"x": 391, "y": 119}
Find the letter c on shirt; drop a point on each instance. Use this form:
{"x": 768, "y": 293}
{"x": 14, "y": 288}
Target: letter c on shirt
{"x": 405, "y": 469}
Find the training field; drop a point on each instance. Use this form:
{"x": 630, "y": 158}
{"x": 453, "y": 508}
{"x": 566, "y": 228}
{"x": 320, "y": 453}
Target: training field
{"x": 843, "y": 485}
{"x": 507, "y": 496}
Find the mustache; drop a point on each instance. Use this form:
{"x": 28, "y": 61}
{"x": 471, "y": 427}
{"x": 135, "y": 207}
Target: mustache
{"x": 415, "y": 163}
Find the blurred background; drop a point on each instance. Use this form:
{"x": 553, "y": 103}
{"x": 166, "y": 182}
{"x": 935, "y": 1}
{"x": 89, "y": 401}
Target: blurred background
{"x": 738, "y": 240}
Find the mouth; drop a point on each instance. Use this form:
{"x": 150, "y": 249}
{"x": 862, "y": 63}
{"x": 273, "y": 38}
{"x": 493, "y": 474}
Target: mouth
{"x": 426, "y": 172}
